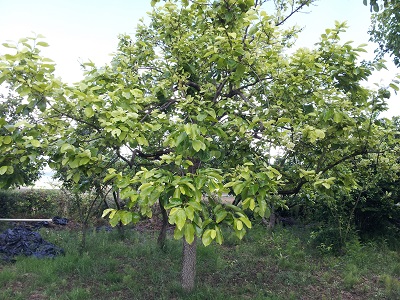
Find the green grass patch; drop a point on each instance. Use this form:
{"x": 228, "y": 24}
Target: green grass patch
{"x": 265, "y": 265}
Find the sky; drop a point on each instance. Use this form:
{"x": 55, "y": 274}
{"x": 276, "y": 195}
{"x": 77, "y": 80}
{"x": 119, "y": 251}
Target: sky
{"x": 79, "y": 30}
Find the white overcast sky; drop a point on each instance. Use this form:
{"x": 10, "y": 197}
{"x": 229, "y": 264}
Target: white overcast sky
{"x": 78, "y": 30}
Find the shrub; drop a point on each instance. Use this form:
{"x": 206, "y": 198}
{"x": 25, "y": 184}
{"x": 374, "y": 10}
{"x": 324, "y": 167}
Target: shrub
{"x": 32, "y": 203}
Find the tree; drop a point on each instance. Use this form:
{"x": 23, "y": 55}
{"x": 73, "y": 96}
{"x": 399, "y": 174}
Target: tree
{"x": 385, "y": 27}
{"x": 362, "y": 204}
{"x": 197, "y": 105}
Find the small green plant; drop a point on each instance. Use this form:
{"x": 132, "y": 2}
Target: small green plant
{"x": 6, "y": 276}
{"x": 392, "y": 286}
{"x": 351, "y": 276}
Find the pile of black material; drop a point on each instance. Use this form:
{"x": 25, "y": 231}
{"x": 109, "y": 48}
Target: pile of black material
{"x": 56, "y": 220}
{"x": 60, "y": 221}
{"x": 24, "y": 241}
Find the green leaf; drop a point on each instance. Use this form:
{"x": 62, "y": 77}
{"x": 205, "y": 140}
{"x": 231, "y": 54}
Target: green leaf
{"x": 142, "y": 141}
{"x": 240, "y": 233}
{"x": 179, "y": 217}
{"x": 7, "y": 45}
{"x": 245, "y": 221}
{"x": 326, "y": 185}
{"x": 238, "y": 188}
{"x": 213, "y": 234}
{"x": 195, "y": 205}
{"x": 126, "y": 217}
{"x": 109, "y": 176}
{"x": 201, "y": 117}
{"x": 83, "y": 161}
{"x": 254, "y": 189}
{"x": 240, "y": 69}
{"x": 262, "y": 207}
{"x": 283, "y": 120}
{"x": 219, "y": 239}
{"x": 180, "y": 138}
{"x": 116, "y": 132}
{"x": 74, "y": 163}
{"x": 206, "y": 238}
{"x": 173, "y": 202}
{"x": 252, "y": 204}
{"x": 7, "y": 140}
{"x": 220, "y": 215}
{"x": 65, "y": 147}
{"x": 190, "y": 185}
{"x": 10, "y": 169}
{"x": 89, "y": 112}
{"x": 35, "y": 143}
{"x": 189, "y": 212}
{"x": 319, "y": 133}
{"x": 146, "y": 189}
{"x": 107, "y": 211}
{"x": 3, "y": 170}
{"x": 189, "y": 233}
{"x": 42, "y": 44}
{"x": 238, "y": 224}
{"x": 394, "y": 86}
{"x": 337, "y": 117}
{"x": 115, "y": 219}
{"x": 76, "y": 177}
{"x": 197, "y": 145}
{"x": 178, "y": 234}
{"x": 253, "y": 30}
{"x": 188, "y": 128}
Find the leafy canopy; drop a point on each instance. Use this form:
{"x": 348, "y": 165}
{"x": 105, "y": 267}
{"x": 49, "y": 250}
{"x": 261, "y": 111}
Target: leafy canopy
{"x": 385, "y": 28}
{"x": 205, "y": 100}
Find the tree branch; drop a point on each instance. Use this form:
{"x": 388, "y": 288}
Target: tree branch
{"x": 293, "y": 12}
{"x": 219, "y": 89}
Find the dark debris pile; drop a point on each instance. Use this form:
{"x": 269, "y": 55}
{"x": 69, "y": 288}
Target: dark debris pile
{"x": 22, "y": 240}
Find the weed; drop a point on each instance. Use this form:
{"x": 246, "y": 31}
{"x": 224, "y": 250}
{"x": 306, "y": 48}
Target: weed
{"x": 392, "y": 286}
{"x": 77, "y": 294}
{"x": 351, "y": 276}
{"x": 7, "y": 275}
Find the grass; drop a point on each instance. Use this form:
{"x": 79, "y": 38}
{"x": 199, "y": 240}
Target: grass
{"x": 264, "y": 265}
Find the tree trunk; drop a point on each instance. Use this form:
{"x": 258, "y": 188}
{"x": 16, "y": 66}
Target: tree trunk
{"x": 272, "y": 221}
{"x": 163, "y": 232}
{"x": 189, "y": 250}
{"x": 82, "y": 244}
{"x": 272, "y": 218}
{"x": 188, "y": 265}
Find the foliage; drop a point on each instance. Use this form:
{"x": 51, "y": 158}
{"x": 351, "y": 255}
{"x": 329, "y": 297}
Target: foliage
{"x": 374, "y": 4}
{"x": 364, "y": 203}
{"x": 47, "y": 203}
{"x": 32, "y": 203}
{"x": 385, "y": 27}
{"x": 16, "y": 166}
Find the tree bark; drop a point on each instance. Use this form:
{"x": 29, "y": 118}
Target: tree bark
{"x": 272, "y": 218}
{"x": 189, "y": 250}
{"x": 163, "y": 232}
{"x": 188, "y": 265}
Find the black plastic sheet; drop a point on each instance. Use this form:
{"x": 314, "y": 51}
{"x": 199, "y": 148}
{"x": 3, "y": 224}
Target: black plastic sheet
{"x": 24, "y": 241}
{"x": 60, "y": 221}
